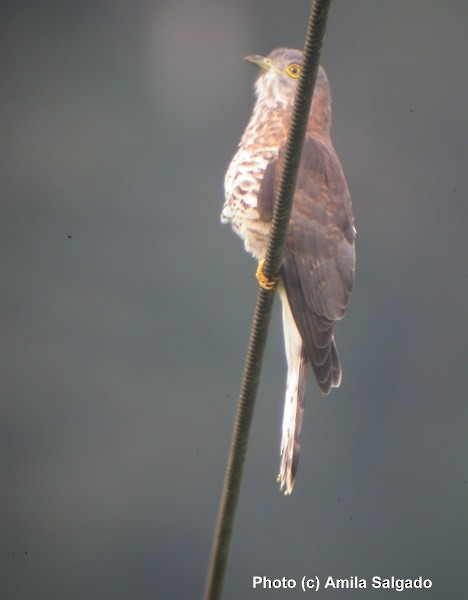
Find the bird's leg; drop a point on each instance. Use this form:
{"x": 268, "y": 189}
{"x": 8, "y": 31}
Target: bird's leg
{"x": 263, "y": 280}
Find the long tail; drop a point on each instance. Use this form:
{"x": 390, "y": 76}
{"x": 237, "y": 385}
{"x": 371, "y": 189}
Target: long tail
{"x": 294, "y": 401}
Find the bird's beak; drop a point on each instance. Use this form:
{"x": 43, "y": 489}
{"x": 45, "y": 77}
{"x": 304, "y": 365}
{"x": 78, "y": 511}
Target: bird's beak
{"x": 260, "y": 61}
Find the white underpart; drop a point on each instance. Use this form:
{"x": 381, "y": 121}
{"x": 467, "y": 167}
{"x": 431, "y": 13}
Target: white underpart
{"x": 245, "y": 174}
{"x": 294, "y": 400}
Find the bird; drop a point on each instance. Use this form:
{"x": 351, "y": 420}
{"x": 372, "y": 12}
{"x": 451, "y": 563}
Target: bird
{"x": 317, "y": 269}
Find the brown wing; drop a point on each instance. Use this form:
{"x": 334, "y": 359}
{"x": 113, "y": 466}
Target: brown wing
{"x": 318, "y": 263}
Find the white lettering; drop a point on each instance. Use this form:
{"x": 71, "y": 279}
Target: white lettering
{"x": 275, "y": 584}
{"x": 346, "y": 584}
{"x": 394, "y": 583}
{"x": 256, "y": 581}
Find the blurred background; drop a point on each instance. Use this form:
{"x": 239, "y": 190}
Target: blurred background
{"x": 126, "y": 305}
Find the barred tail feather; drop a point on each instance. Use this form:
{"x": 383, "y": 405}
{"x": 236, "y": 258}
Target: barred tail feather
{"x": 294, "y": 401}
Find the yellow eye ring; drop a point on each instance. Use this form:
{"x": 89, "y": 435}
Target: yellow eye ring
{"x": 293, "y": 70}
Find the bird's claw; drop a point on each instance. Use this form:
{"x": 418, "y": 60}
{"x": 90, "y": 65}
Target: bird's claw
{"x": 263, "y": 281}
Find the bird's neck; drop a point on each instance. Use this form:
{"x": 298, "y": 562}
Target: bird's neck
{"x": 320, "y": 113}
{"x": 268, "y": 125}
{"x": 274, "y": 118}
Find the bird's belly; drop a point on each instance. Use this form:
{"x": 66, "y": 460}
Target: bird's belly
{"x": 242, "y": 184}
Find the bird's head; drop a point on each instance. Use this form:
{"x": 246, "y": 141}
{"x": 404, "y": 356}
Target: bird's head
{"x": 279, "y": 74}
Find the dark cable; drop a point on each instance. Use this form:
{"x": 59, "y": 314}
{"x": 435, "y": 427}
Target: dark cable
{"x": 258, "y": 335}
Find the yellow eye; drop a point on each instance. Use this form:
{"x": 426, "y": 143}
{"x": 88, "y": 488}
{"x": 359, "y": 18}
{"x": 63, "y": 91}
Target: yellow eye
{"x": 293, "y": 70}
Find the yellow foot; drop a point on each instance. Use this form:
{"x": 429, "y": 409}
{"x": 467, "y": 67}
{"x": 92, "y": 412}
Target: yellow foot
{"x": 264, "y": 282}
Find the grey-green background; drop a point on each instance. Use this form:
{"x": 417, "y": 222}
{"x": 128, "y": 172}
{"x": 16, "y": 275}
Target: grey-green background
{"x": 126, "y": 305}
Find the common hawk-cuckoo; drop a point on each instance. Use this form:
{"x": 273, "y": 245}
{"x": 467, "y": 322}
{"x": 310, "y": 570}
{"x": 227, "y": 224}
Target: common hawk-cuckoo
{"x": 317, "y": 270}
